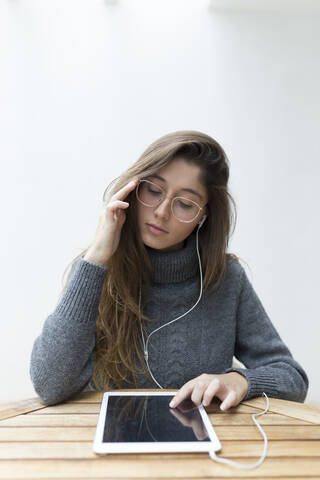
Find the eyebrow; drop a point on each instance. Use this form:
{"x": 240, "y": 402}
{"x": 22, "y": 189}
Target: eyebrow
{"x": 190, "y": 190}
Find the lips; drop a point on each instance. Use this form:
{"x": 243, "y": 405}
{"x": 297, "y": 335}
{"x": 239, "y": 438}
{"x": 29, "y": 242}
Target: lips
{"x": 158, "y": 228}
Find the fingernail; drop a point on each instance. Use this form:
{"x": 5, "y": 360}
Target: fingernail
{"x": 171, "y": 404}
{"x": 222, "y": 407}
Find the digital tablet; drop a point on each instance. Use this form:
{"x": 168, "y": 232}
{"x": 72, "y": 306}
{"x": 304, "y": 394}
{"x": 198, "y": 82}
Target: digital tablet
{"x": 143, "y": 422}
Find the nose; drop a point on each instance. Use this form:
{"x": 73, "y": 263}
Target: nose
{"x": 163, "y": 209}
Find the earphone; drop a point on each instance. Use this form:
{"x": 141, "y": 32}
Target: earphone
{"x": 212, "y": 453}
{"x": 202, "y": 221}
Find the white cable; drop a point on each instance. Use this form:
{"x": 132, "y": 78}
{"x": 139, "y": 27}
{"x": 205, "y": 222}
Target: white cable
{"x": 145, "y": 343}
{"x": 213, "y": 456}
{"x": 212, "y": 453}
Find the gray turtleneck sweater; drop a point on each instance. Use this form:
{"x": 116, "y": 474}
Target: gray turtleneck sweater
{"x": 229, "y": 322}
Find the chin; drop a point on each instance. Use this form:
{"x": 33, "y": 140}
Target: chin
{"x": 152, "y": 242}
{"x": 163, "y": 244}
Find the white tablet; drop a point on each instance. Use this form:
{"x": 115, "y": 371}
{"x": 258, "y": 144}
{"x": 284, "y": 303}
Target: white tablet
{"x": 131, "y": 422}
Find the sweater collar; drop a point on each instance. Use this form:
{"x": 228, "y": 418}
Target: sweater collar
{"x": 175, "y": 266}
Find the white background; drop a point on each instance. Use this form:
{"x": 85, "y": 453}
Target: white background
{"x": 86, "y": 86}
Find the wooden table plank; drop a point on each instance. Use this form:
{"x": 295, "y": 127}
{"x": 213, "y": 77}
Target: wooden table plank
{"x": 87, "y": 397}
{"x": 229, "y": 419}
{"x": 90, "y": 420}
{"x": 54, "y": 420}
{"x": 56, "y": 442}
{"x": 69, "y": 408}
{"x": 174, "y": 478}
{"x": 303, "y": 411}
{"x": 95, "y": 397}
{"x": 230, "y": 448}
{"x": 12, "y": 409}
{"x": 241, "y": 432}
{"x": 81, "y": 407}
{"x": 201, "y": 465}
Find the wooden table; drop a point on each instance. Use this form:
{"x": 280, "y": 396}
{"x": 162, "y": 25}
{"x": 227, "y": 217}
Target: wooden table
{"x": 42, "y": 442}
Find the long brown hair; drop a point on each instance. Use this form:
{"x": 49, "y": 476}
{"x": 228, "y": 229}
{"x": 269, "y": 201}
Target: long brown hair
{"x": 118, "y": 334}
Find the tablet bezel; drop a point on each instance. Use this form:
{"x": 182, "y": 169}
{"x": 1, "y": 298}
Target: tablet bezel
{"x": 101, "y": 447}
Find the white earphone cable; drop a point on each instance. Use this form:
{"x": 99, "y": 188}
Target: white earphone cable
{"x": 212, "y": 453}
{"x": 145, "y": 343}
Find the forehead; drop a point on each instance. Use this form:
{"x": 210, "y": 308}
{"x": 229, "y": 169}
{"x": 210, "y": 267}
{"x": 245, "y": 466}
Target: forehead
{"x": 180, "y": 174}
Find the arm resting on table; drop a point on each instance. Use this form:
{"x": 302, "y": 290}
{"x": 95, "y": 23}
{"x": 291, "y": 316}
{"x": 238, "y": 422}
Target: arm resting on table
{"x": 62, "y": 356}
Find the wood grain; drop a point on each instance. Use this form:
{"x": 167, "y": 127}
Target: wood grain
{"x": 90, "y": 420}
{"x": 230, "y": 448}
{"x": 75, "y": 408}
{"x": 182, "y": 467}
{"x": 39, "y": 442}
{"x": 8, "y": 410}
{"x": 82, "y": 407}
{"x": 303, "y": 411}
{"x": 251, "y": 432}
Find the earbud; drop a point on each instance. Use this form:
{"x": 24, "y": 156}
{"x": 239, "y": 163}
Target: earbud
{"x": 202, "y": 221}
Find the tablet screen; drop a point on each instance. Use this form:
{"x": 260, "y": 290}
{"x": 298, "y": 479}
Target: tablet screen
{"x": 149, "y": 418}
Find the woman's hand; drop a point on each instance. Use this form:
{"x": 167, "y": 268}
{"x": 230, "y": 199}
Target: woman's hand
{"x": 230, "y": 388}
{"x": 111, "y": 220}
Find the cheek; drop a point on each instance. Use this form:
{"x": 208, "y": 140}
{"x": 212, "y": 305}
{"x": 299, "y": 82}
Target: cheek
{"x": 141, "y": 213}
{"x": 182, "y": 230}
{"x": 190, "y": 228}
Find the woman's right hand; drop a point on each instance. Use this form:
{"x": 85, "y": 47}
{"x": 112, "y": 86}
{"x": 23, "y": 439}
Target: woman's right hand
{"x": 111, "y": 220}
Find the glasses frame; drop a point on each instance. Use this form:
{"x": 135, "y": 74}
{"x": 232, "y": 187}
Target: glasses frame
{"x": 164, "y": 197}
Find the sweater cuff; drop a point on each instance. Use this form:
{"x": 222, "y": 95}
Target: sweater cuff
{"x": 82, "y": 296}
{"x": 259, "y": 381}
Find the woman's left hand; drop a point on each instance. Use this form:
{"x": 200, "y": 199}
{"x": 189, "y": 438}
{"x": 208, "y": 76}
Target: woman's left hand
{"x": 230, "y": 388}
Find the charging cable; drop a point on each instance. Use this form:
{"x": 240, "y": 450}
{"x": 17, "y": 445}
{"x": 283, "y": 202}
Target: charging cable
{"x": 213, "y": 456}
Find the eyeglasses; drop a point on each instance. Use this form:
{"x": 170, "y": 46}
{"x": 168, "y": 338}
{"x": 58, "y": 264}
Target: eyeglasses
{"x": 151, "y": 195}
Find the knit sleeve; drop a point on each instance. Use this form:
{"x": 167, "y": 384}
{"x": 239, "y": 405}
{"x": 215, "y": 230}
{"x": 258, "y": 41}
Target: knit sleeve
{"x": 270, "y": 366}
{"x": 61, "y": 361}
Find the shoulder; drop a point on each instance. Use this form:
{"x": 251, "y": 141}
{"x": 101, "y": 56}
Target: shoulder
{"x": 235, "y": 279}
{"x": 230, "y": 280}
{"x": 234, "y": 269}
{"x": 237, "y": 275}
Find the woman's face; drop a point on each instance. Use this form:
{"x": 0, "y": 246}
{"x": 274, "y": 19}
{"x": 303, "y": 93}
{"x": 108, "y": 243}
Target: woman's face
{"x": 177, "y": 176}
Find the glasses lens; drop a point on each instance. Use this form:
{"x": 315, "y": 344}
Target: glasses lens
{"x": 149, "y": 193}
{"x": 185, "y": 209}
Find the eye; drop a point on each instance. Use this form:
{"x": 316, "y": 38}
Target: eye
{"x": 184, "y": 205}
{"x": 153, "y": 191}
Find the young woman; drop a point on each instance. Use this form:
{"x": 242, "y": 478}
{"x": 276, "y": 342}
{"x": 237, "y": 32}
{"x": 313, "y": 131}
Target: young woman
{"x": 156, "y": 300}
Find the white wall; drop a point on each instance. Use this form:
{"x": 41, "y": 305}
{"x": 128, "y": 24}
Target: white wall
{"x": 86, "y": 86}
